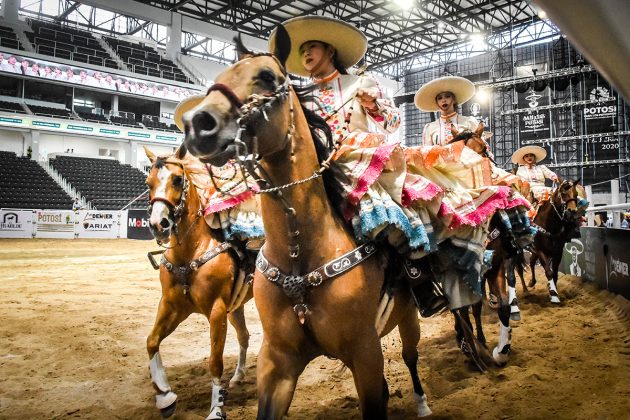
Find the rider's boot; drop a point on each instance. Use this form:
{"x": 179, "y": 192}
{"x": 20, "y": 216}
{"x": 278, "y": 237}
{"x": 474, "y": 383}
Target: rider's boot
{"x": 427, "y": 293}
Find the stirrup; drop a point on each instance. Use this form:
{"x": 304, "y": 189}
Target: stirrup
{"x": 429, "y": 299}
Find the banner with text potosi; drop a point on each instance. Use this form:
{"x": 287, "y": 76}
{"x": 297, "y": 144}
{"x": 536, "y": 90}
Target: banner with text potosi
{"x": 54, "y": 224}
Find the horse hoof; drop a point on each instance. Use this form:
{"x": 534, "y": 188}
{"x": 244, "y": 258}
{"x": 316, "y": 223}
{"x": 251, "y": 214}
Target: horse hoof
{"x": 499, "y": 358}
{"x": 422, "y": 405}
{"x": 515, "y": 316}
{"x": 554, "y": 299}
{"x": 168, "y": 411}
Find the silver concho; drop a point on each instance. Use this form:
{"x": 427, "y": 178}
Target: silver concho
{"x": 294, "y": 287}
{"x": 272, "y": 274}
{"x": 314, "y": 278}
{"x": 194, "y": 266}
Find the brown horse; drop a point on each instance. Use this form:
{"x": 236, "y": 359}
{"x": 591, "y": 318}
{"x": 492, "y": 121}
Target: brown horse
{"x": 558, "y": 221}
{"x": 328, "y": 303}
{"x": 199, "y": 274}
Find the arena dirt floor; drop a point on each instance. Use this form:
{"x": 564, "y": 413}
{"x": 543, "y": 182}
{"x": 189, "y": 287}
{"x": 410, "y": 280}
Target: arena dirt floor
{"x": 74, "y": 316}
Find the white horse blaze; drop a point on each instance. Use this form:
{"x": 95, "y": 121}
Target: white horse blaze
{"x": 159, "y": 210}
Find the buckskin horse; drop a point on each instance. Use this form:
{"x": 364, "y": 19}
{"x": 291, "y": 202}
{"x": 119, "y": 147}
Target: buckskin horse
{"x": 199, "y": 273}
{"x": 557, "y": 221}
{"x": 317, "y": 293}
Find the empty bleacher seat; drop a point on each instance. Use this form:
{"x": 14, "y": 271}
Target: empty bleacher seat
{"x": 25, "y": 184}
{"x": 106, "y": 183}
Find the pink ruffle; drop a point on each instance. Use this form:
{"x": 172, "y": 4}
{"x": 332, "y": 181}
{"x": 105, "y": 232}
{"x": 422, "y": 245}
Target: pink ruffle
{"x": 480, "y": 214}
{"x": 518, "y": 201}
{"x": 227, "y": 203}
{"x": 371, "y": 174}
{"x": 409, "y": 195}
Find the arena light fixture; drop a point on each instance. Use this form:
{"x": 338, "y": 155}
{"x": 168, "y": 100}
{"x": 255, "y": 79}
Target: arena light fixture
{"x": 404, "y": 4}
{"x": 482, "y": 95}
{"x": 542, "y": 14}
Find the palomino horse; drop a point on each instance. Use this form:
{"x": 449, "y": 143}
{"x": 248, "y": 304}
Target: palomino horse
{"x": 506, "y": 257}
{"x": 199, "y": 274}
{"x": 558, "y": 221}
{"x": 328, "y": 302}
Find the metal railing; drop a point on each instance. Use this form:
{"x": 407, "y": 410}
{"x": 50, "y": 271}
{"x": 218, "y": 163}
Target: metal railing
{"x": 64, "y": 184}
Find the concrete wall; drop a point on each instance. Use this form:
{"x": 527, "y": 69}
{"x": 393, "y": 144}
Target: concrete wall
{"x": 13, "y": 141}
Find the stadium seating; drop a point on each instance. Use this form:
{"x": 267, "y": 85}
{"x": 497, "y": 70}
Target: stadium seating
{"x": 8, "y": 38}
{"x": 128, "y": 122}
{"x": 25, "y": 184}
{"x": 87, "y": 115}
{"x": 50, "y": 112}
{"x": 70, "y": 43}
{"x": 145, "y": 60}
{"x": 105, "y": 183}
{"x": 11, "y": 107}
{"x": 154, "y": 123}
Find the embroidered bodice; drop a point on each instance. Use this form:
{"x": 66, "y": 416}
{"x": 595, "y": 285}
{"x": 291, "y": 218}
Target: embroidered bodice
{"x": 439, "y": 132}
{"x": 335, "y": 90}
{"x": 535, "y": 175}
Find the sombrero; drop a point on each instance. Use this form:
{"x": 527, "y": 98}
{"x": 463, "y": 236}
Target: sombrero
{"x": 539, "y": 152}
{"x": 349, "y": 42}
{"x": 185, "y": 106}
{"x": 463, "y": 89}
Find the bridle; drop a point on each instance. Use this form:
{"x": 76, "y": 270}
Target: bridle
{"x": 557, "y": 194}
{"x": 249, "y": 113}
{"x": 177, "y": 209}
{"x": 468, "y": 135}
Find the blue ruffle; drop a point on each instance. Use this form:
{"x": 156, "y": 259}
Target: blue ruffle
{"x": 244, "y": 232}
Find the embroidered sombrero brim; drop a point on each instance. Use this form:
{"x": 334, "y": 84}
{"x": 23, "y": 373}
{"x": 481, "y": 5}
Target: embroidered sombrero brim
{"x": 539, "y": 152}
{"x": 185, "y": 106}
{"x": 462, "y": 88}
{"x": 349, "y": 42}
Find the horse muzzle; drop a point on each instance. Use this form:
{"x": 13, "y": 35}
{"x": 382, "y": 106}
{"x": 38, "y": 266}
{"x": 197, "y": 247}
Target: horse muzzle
{"x": 208, "y": 138}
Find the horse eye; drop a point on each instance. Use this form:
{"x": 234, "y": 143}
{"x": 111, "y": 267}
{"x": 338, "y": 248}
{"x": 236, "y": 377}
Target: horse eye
{"x": 267, "y": 76}
{"x": 178, "y": 181}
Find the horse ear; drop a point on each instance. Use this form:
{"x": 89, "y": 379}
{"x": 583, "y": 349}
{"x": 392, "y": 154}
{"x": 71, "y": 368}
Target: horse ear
{"x": 454, "y": 131}
{"x": 283, "y": 44}
{"x": 241, "y": 49}
{"x": 149, "y": 154}
{"x": 181, "y": 151}
{"x": 560, "y": 180}
{"x": 479, "y": 130}
{"x": 577, "y": 181}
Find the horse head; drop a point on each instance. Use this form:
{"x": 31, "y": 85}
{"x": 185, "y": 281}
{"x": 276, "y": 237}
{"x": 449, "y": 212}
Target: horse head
{"x": 471, "y": 139}
{"x": 565, "y": 199}
{"x": 246, "y": 103}
{"x": 167, "y": 185}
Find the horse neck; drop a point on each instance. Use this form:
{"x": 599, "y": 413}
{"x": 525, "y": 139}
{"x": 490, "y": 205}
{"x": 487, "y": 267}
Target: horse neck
{"x": 193, "y": 234}
{"x": 314, "y": 214}
{"x": 547, "y": 218}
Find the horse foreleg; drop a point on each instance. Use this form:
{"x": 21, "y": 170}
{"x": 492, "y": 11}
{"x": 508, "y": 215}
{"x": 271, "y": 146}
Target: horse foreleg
{"x": 409, "y": 329}
{"x": 521, "y": 275}
{"x": 501, "y": 352}
{"x": 515, "y": 312}
{"x": 218, "y": 332}
{"x": 553, "y": 284}
{"x": 366, "y": 364}
{"x": 166, "y": 321}
{"x": 237, "y": 319}
{"x": 548, "y": 264}
{"x": 532, "y": 269}
{"x": 476, "y": 310}
{"x": 276, "y": 376}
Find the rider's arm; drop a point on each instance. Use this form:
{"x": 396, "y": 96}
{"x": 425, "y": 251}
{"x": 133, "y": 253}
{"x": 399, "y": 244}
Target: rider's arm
{"x": 383, "y": 114}
{"x": 549, "y": 174}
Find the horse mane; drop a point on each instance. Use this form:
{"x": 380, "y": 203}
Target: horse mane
{"x": 464, "y": 135}
{"x": 334, "y": 175}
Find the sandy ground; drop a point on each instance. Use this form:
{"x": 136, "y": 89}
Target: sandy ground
{"x": 74, "y": 316}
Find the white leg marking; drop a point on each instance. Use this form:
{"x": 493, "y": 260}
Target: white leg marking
{"x": 553, "y": 292}
{"x": 422, "y": 405}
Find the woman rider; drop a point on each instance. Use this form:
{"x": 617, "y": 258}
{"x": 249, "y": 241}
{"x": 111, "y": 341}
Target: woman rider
{"x": 527, "y": 158}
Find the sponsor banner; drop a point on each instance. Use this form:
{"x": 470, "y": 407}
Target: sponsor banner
{"x": 24, "y": 66}
{"x": 54, "y": 224}
{"x": 534, "y": 124}
{"x": 97, "y": 224}
{"x": 479, "y": 109}
{"x": 16, "y": 224}
{"x": 138, "y": 225}
{"x": 86, "y": 128}
{"x": 606, "y": 258}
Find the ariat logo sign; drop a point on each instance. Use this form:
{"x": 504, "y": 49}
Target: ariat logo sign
{"x": 10, "y": 221}
{"x": 98, "y": 222}
{"x": 138, "y": 223}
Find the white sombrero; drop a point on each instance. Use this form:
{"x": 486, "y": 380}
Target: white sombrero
{"x": 463, "y": 89}
{"x": 349, "y": 42}
{"x": 539, "y": 152}
{"x": 185, "y": 106}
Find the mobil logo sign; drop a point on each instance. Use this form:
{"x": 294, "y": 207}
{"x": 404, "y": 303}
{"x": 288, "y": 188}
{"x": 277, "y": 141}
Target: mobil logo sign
{"x": 138, "y": 225}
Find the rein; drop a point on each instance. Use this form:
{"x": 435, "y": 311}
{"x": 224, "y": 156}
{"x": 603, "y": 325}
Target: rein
{"x": 466, "y": 136}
